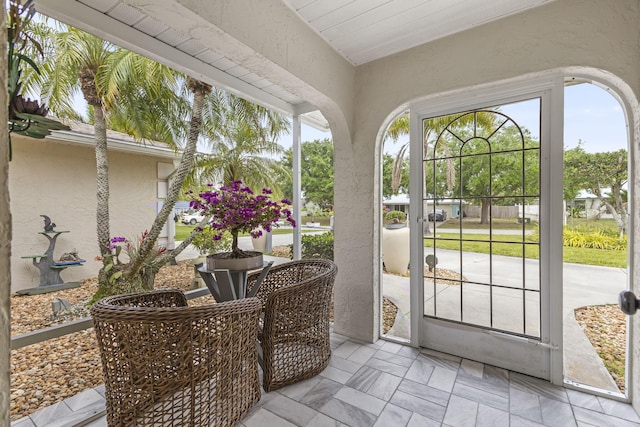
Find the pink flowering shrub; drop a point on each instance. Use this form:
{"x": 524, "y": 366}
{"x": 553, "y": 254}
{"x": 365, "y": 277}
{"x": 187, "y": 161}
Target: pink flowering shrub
{"x": 237, "y": 209}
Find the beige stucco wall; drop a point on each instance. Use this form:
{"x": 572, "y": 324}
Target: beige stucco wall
{"x": 594, "y": 38}
{"x": 58, "y": 180}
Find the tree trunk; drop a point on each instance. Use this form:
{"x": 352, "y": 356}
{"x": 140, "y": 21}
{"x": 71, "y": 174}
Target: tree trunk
{"x": 201, "y": 90}
{"x": 125, "y": 284}
{"x": 619, "y": 217}
{"x": 485, "y": 210}
{"x": 102, "y": 180}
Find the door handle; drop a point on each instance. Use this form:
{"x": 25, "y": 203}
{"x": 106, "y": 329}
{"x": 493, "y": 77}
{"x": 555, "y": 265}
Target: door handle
{"x": 628, "y": 302}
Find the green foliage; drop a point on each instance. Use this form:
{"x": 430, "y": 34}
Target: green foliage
{"x": 317, "y": 246}
{"x": 596, "y": 171}
{"x": 594, "y": 239}
{"x": 387, "y": 176}
{"x": 207, "y": 245}
{"x": 588, "y": 237}
{"x": 316, "y": 172}
{"x": 496, "y": 156}
{"x": 243, "y": 140}
{"x": 395, "y": 217}
{"x": 589, "y": 256}
{"x": 576, "y": 211}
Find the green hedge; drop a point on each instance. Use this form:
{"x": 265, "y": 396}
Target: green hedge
{"x": 589, "y": 238}
{"x": 316, "y": 246}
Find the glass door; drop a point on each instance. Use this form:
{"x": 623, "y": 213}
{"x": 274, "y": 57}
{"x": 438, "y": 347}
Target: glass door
{"x": 484, "y": 273}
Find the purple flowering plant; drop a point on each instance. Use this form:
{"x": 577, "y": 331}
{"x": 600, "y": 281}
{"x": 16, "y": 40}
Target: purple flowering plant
{"x": 237, "y": 209}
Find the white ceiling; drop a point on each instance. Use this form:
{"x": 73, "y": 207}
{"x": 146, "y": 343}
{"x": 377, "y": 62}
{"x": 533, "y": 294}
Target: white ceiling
{"x": 360, "y": 30}
{"x": 366, "y": 30}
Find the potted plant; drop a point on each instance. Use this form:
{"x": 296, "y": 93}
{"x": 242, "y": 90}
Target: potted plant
{"x": 395, "y": 219}
{"x": 395, "y": 243}
{"x": 237, "y": 209}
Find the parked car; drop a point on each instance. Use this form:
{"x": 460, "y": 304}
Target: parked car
{"x": 192, "y": 218}
{"x": 439, "y": 215}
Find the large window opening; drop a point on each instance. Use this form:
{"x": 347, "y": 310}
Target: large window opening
{"x": 484, "y": 201}
{"x": 595, "y": 239}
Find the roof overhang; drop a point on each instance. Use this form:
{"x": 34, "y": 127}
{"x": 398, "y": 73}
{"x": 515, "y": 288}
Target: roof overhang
{"x": 126, "y": 27}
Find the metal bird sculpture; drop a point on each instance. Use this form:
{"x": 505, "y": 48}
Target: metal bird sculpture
{"x": 48, "y": 225}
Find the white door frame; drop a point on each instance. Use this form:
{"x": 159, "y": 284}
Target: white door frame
{"x": 551, "y": 91}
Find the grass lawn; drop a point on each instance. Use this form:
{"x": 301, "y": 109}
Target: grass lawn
{"x": 497, "y": 223}
{"x": 600, "y": 257}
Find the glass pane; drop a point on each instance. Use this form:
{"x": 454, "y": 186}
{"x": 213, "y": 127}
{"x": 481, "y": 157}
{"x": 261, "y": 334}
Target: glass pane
{"x": 508, "y": 270}
{"x": 532, "y": 176}
{"x": 526, "y": 112}
{"x": 508, "y": 177}
{"x": 532, "y": 307}
{"x": 429, "y": 189}
{"x": 442, "y": 179}
{"x": 448, "y": 301}
{"x": 532, "y": 268}
{"x": 507, "y": 138}
{"x": 476, "y": 300}
{"x": 508, "y": 310}
{"x": 444, "y": 259}
{"x": 476, "y": 265}
{"x": 484, "y": 174}
{"x": 474, "y": 147}
{"x": 429, "y": 297}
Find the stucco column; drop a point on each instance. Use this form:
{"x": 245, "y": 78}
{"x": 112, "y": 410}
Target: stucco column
{"x": 5, "y": 238}
{"x": 634, "y": 333}
{"x": 357, "y": 290}
{"x": 296, "y": 151}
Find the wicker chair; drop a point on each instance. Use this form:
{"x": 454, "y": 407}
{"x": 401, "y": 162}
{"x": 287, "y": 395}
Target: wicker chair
{"x": 166, "y": 363}
{"x": 296, "y": 300}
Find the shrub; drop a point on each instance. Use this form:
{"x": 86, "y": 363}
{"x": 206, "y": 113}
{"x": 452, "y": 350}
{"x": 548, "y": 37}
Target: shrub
{"x": 317, "y": 246}
{"x": 594, "y": 239}
{"x": 395, "y": 217}
{"x": 206, "y": 244}
{"x": 582, "y": 237}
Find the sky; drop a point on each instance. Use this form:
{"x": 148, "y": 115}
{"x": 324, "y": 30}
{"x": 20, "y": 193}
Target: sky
{"x": 591, "y": 114}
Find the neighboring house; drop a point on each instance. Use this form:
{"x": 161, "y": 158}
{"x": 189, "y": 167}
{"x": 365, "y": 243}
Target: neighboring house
{"x": 590, "y": 205}
{"x": 400, "y": 202}
{"x": 56, "y": 176}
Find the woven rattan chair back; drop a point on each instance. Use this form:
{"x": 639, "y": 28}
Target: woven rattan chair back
{"x": 296, "y": 298}
{"x": 169, "y": 364}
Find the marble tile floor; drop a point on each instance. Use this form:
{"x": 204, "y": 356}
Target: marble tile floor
{"x": 388, "y": 384}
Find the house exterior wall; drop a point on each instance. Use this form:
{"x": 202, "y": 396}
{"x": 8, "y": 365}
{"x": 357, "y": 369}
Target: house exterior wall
{"x": 59, "y": 180}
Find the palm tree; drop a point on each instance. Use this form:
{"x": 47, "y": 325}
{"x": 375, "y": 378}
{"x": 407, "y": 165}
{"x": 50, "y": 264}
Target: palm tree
{"x": 135, "y": 268}
{"x": 149, "y": 101}
{"x": 77, "y": 61}
{"x": 137, "y": 91}
{"x": 242, "y": 137}
{"x": 431, "y": 130}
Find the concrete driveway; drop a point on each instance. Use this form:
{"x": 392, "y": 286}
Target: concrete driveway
{"x": 583, "y": 285}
